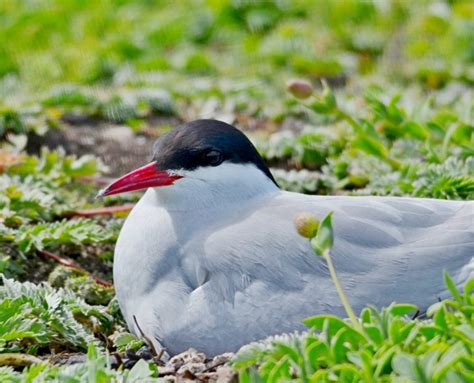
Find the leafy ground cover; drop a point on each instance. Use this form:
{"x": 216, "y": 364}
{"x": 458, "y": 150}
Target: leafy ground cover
{"x": 393, "y": 116}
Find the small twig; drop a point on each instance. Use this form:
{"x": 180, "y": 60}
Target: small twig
{"x": 214, "y": 365}
{"x": 118, "y": 358}
{"x": 147, "y": 339}
{"x": 71, "y": 265}
{"x": 99, "y": 211}
{"x": 62, "y": 261}
{"x": 18, "y": 359}
{"x": 157, "y": 355}
{"x": 416, "y": 315}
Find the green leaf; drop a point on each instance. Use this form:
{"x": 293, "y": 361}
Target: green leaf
{"x": 374, "y": 333}
{"x": 440, "y": 318}
{"x": 290, "y": 352}
{"x": 395, "y": 330}
{"x": 139, "y": 372}
{"x": 452, "y": 287}
{"x": 318, "y": 353}
{"x": 468, "y": 331}
{"x": 320, "y": 107}
{"x": 415, "y": 130}
{"x": 384, "y": 364}
{"x": 325, "y": 237}
{"x": 280, "y": 371}
{"x": 448, "y": 359}
{"x": 91, "y": 352}
{"x": 328, "y": 96}
{"x": 326, "y": 103}
{"x": 468, "y": 289}
{"x": 404, "y": 365}
{"x": 320, "y": 321}
{"x": 346, "y": 372}
{"x": 125, "y": 341}
{"x": 370, "y": 146}
{"x": 366, "y": 316}
{"x": 342, "y": 340}
{"x": 399, "y": 309}
{"x": 429, "y": 332}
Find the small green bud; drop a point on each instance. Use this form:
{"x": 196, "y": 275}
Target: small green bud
{"x": 306, "y": 225}
{"x": 326, "y": 102}
{"x": 300, "y": 88}
{"x": 320, "y": 107}
{"x": 328, "y": 96}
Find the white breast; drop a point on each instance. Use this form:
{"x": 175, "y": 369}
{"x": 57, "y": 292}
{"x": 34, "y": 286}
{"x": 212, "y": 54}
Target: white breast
{"x": 160, "y": 251}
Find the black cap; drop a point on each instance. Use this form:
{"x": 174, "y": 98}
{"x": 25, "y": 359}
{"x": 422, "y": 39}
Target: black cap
{"x": 205, "y": 143}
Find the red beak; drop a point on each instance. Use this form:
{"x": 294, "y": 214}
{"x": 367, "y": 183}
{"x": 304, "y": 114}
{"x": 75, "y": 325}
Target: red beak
{"x": 141, "y": 178}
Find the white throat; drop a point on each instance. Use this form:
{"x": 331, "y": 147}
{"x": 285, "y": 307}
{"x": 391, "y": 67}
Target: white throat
{"x": 207, "y": 187}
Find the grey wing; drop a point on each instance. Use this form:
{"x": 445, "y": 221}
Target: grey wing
{"x": 257, "y": 277}
{"x": 400, "y": 247}
{"x": 386, "y": 249}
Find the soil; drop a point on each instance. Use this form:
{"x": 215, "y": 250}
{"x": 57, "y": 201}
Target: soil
{"x": 116, "y": 145}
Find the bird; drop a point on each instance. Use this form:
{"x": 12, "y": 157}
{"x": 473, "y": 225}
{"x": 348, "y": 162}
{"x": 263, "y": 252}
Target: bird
{"x": 209, "y": 257}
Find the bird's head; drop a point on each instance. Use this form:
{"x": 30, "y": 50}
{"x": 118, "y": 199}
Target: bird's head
{"x": 198, "y": 155}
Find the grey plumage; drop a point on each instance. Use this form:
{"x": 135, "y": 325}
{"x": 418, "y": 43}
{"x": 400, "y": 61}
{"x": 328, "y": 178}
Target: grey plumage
{"x": 214, "y": 262}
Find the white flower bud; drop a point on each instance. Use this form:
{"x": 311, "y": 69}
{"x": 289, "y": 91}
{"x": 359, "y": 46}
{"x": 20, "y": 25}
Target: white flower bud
{"x": 306, "y": 225}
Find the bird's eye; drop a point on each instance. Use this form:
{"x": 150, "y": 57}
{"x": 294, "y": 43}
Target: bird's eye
{"x": 213, "y": 157}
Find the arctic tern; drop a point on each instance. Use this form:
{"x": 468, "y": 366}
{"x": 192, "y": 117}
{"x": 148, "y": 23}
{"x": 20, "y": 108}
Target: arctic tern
{"x": 209, "y": 257}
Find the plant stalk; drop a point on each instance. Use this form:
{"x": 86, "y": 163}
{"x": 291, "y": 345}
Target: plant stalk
{"x": 340, "y": 291}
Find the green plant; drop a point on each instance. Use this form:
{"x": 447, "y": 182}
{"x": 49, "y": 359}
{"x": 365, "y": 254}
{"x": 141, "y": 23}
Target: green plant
{"x": 96, "y": 368}
{"x": 38, "y": 316}
{"x": 322, "y": 239}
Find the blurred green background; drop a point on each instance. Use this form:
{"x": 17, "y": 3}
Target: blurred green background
{"x": 43, "y": 43}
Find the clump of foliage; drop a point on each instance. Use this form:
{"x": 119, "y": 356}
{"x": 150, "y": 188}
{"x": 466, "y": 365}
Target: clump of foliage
{"x": 385, "y": 150}
{"x": 34, "y": 317}
{"x": 66, "y": 232}
{"x": 37, "y": 194}
{"x": 82, "y": 284}
{"x": 96, "y": 368}
{"x": 36, "y": 189}
{"x": 388, "y": 346}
